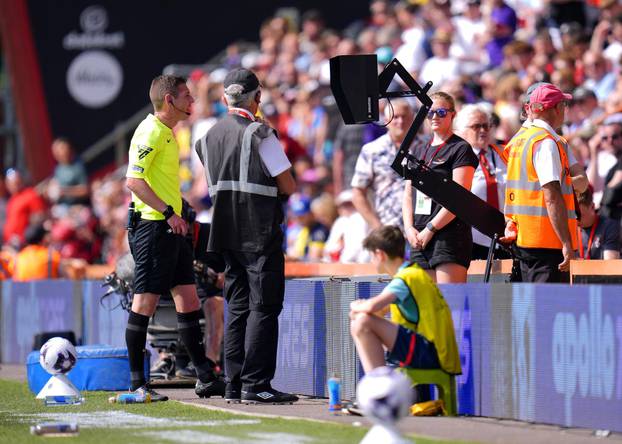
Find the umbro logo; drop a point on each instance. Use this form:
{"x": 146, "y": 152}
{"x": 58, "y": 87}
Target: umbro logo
{"x": 143, "y": 151}
{"x": 265, "y": 395}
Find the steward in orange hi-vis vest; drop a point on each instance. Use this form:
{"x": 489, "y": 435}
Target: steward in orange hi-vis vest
{"x": 524, "y": 197}
{"x": 36, "y": 262}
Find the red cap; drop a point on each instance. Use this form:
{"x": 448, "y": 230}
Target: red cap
{"x": 548, "y": 96}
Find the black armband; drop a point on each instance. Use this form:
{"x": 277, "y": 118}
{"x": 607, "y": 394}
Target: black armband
{"x": 168, "y": 213}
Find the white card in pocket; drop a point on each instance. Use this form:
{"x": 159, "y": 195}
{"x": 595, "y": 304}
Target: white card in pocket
{"x": 423, "y": 204}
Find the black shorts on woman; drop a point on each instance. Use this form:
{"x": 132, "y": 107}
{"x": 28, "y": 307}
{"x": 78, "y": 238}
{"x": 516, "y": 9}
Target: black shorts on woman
{"x": 453, "y": 242}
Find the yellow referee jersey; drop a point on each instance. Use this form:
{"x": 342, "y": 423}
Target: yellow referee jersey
{"x": 154, "y": 157}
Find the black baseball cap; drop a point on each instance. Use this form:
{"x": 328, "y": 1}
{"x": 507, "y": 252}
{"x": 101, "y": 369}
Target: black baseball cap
{"x": 243, "y": 77}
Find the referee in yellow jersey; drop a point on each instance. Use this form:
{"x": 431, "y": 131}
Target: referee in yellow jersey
{"x": 156, "y": 234}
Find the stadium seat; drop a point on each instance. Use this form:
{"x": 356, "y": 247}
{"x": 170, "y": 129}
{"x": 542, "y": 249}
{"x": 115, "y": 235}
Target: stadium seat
{"x": 444, "y": 382}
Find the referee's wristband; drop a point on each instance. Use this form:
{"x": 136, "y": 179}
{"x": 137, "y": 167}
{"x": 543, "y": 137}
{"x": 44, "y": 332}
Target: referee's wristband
{"x": 168, "y": 213}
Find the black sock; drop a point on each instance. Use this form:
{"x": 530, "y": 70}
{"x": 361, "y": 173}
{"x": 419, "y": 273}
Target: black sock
{"x": 135, "y": 338}
{"x": 191, "y": 336}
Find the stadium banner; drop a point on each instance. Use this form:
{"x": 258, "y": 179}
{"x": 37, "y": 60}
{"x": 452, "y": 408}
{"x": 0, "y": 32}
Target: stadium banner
{"x": 541, "y": 353}
{"x": 30, "y": 308}
{"x": 106, "y": 318}
{"x": 579, "y": 356}
{"x": 301, "y": 358}
{"x": 553, "y": 355}
{"x": 468, "y": 304}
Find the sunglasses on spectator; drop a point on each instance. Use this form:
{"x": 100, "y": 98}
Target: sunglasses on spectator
{"x": 613, "y": 137}
{"x": 479, "y": 126}
{"x": 440, "y": 112}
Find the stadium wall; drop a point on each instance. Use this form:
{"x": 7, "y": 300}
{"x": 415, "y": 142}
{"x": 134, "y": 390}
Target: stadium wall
{"x": 542, "y": 353}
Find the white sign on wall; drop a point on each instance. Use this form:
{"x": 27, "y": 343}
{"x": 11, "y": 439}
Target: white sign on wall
{"x": 94, "y": 78}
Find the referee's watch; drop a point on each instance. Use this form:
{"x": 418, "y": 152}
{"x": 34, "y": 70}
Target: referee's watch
{"x": 168, "y": 212}
{"x": 430, "y": 226}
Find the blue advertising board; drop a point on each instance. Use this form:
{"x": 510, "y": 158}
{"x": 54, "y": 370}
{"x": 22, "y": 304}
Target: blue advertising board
{"x": 30, "y": 308}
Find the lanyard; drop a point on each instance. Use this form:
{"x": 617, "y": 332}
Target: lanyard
{"x": 486, "y": 166}
{"x": 589, "y": 241}
{"x": 242, "y": 113}
{"x": 435, "y": 152}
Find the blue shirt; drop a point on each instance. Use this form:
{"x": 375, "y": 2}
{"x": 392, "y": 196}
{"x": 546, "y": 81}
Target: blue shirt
{"x": 403, "y": 297}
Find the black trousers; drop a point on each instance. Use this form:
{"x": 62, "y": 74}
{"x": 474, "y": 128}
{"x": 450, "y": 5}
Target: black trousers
{"x": 481, "y": 252}
{"x": 254, "y": 291}
{"x": 540, "y": 265}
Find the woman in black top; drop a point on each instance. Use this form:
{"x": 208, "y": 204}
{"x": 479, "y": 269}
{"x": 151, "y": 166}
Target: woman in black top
{"x": 440, "y": 243}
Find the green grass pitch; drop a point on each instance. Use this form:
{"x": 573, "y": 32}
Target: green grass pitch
{"x": 165, "y": 423}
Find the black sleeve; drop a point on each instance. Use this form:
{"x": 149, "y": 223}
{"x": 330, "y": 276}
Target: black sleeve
{"x": 462, "y": 154}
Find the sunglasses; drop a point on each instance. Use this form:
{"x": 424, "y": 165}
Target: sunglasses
{"x": 479, "y": 126}
{"x": 614, "y": 137}
{"x": 440, "y": 112}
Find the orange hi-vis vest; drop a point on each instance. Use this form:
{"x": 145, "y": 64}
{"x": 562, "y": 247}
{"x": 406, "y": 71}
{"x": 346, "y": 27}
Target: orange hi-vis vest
{"x": 501, "y": 152}
{"x": 524, "y": 197}
{"x": 36, "y": 262}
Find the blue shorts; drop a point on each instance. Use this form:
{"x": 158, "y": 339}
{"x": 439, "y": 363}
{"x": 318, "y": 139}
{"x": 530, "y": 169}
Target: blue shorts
{"x": 413, "y": 350}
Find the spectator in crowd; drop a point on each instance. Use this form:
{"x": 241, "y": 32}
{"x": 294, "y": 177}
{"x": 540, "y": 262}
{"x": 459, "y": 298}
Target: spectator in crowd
{"x": 69, "y": 184}
{"x": 502, "y": 26}
{"x": 37, "y": 260}
{"x": 440, "y": 243}
{"x": 470, "y": 33}
{"x": 599, "y": 236}
{"x": 441, "y": 67}
{"x": 305, "y": 235}
{"x": 25, "y": 207}
{"x": 473, "y": 124}
{"x": 611, "y": 203}
{"x": 346, "y": 148}
{"x": 420, "y": 333}
{"x": 547, "y": 237}
{"x": 605, "y": 147}
{"x": 598, "y": 75}
{"x": 345, "y": 240}
{"x": 373, "y": 171}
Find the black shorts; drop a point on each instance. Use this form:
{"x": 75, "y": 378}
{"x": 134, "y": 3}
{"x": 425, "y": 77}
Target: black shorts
{"x": 412, "y": 350}
{"x": 452, "y": 244}
{"x": 163, "y": 259}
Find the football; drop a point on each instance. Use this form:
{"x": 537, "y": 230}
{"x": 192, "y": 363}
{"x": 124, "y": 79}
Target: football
{"x": 58, "y": 356}
{"x": 384, "y": 395}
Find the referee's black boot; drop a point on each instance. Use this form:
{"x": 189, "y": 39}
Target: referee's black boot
{"x": 214, "y": 387}
{"x": 269, "y": 396}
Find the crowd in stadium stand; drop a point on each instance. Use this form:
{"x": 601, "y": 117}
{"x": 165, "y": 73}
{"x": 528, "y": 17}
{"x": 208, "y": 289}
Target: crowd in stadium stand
{"x": 478, "y": 51}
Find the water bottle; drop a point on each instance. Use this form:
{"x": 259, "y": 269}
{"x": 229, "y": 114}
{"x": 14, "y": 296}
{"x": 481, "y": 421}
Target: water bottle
{"x": 334, "y": 393}
{"x": 130, "y": 398}
{"x": 55, "y": 429}
{"x": 63, "y": 400}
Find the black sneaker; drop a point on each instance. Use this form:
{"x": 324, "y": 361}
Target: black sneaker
{"x": 269, "y": 396}
{"x": 155, "y": 396}
{"x": 233, "y": 394}
{"x": 215, "y": 387}
{"x": 187, "y": 373}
